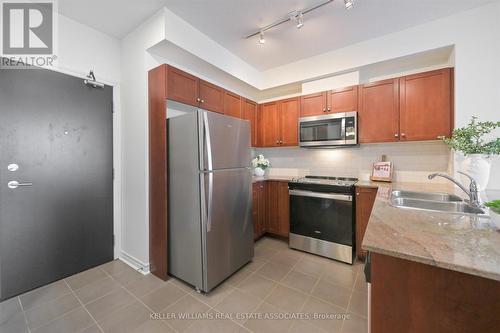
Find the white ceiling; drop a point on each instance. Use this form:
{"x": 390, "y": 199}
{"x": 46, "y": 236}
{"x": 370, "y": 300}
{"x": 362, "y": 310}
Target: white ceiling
{"x": 227, "y": 21}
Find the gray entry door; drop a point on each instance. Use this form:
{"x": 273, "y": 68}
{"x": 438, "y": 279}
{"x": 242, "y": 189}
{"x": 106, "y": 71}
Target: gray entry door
{"x": 59, "y": 133}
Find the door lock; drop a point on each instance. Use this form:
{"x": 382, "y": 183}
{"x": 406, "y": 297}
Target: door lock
{"x": 12, "y": 167}
{"x": 13, "y": 184}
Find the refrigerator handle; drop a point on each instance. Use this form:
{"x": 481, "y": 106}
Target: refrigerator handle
{"x": 210, "y": 173}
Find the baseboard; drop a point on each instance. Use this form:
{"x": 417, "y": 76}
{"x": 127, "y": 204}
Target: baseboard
{"x": 134, "y": 263}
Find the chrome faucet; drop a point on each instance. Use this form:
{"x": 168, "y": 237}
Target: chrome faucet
{"x": 472, "y": 192}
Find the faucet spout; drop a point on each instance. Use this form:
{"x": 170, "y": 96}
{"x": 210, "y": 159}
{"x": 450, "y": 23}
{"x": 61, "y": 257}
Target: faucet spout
{"x": 472, "y": 192}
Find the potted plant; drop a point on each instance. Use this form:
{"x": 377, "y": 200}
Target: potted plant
{"x": 471, "y": 142}
{"x": 260, "y": 163}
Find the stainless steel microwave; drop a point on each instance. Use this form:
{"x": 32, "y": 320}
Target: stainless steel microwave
{"x": 337, "y": 129}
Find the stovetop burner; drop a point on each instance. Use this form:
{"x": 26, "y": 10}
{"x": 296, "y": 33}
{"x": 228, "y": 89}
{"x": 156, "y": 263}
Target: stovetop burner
{"x": 325, "y": 180}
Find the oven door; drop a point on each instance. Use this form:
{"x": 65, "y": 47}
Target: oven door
{"x": 324, "y": 216}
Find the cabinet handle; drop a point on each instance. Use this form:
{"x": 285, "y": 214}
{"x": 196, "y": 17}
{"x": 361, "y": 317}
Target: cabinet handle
{"x": 198, "y": 100}
{"x": 281, "y": 142}
{"x": 403, "y": 135}
{"x": 396, "y": 135}
{"x": 324, "y": 109}
{"x": 329, "y": 109}
{"x": 203, "y": 101}
{"x": 441, "y": 137}
{"x": 277, "y": 142}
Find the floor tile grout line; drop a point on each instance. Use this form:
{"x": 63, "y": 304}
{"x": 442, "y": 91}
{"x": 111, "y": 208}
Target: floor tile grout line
{"x": 43, "y": 303}
{"x": 56, "y": 317}
{"x": 24, "y": 314}
{"x": 272, "y": 290}
{"x": 83, "y": 306}
{"x": 311, "y": 296}
{"x": 150, "y": 309}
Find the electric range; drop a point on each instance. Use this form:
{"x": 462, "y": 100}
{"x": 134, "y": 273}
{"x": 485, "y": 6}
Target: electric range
{"x": 322, "y": 216}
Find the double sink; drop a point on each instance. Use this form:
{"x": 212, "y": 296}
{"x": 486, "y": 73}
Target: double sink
{"x": 435, "y": 202}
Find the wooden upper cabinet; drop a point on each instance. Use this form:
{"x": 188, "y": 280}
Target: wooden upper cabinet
{"x": 269, "y": 123}
{"x": 232, "y": 104}
{"x": 289, "y": 119}
{"x": 313, "y": 104}
{"x": 249, "y": 112}
{"x": 378, "y": 114}
{"x": 211, "y": 97}
{"x": 182, "y": 87}
{"x": 425, "y": 102}
{"x": 343, "y": 100}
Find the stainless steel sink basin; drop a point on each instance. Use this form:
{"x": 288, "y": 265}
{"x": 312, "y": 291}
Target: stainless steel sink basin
{"x": 437, "y": 206}
{"x": 442, "y": 197}
{"x": 435, "y": 202}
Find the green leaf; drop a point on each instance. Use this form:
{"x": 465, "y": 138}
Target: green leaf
{"x": 494, "y": 205}
{"x": 469, "y": 139}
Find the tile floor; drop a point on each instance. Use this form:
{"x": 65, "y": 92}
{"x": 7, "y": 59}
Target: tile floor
{"x": 280, "y": 282}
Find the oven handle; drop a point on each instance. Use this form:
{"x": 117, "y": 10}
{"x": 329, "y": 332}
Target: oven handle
{"x": 343, "y": 197}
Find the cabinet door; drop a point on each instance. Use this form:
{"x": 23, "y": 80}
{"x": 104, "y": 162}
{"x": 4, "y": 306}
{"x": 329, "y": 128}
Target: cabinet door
{"x": 365, "y": 198}
{"x": 378, "y": 114}
{"x": 343, "y": 99}
{"x": 425, "y": 101}
{"x": 255, "y": 210}
{"x": 313, "y": 104}
{"x": 290, "y": 112}
{"x": 232, "y": 104}
{"x": 269, "y": 120}
{"x": 283, "y": 209}
{"x": 182, "y": 87}
{"x": 272, "y": 222}
{"x": 211, "y": 97}
{"x": 249, "y": 112}
{"x": 262, "y": 208}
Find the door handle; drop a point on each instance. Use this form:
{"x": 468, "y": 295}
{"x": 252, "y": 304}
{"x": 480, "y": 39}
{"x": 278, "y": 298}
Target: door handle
{"x": 13, "y": 184}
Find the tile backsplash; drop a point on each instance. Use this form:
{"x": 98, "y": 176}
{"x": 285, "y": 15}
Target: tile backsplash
{"x": 413, "y": 161}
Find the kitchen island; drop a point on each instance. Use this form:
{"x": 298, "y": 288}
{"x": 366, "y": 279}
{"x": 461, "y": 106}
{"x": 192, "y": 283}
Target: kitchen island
{"x": 444, "y": 267}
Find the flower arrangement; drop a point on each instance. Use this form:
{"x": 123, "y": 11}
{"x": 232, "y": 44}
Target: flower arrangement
{"x": 469, "y": 139}
{"x": 261, "y": 162}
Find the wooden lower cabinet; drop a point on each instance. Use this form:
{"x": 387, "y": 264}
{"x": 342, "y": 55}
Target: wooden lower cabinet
{"x": 277, "y": 208}
{"x": 271, "y": 208}
{"x": 365, "y": 198}
{"x": 258, "y": 209}
{"x": 407, "y": 296}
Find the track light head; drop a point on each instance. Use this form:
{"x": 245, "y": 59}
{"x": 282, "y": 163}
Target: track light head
{"x": 300, "y": 21}
{"x": 348, "y": 4}
{"x": 262, "y": 40}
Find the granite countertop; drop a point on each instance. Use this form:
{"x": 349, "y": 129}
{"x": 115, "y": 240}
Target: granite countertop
{"x": 460, "y": 243}
{"x": 256, "y": 179}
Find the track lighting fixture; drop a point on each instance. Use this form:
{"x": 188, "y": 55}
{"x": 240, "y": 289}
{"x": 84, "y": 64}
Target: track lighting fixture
{"x": 297, "y": 16}
{"x": 262, "y": 40}
{"x": 300, "y": 20}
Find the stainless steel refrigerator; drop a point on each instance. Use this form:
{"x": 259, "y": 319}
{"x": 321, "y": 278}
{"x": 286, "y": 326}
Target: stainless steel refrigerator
{"x": 210, "y": 229}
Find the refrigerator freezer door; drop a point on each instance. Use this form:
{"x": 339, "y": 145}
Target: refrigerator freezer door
{"x": 225, "y": 142}
{"x": 227, "y": 223}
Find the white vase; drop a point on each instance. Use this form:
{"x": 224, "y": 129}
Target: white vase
{"x": 259, "y": 172}
{"x": 478, "y": 167}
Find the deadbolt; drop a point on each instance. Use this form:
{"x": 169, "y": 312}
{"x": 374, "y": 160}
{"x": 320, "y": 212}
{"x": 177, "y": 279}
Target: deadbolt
{"x": 13, "y": 167}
